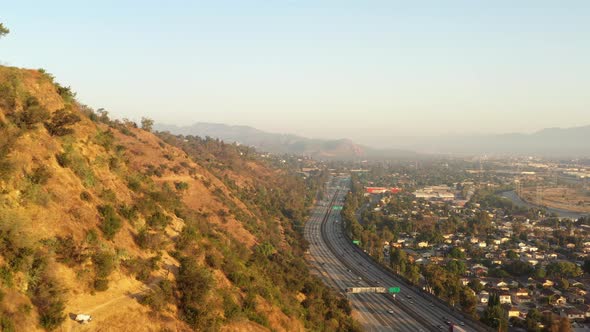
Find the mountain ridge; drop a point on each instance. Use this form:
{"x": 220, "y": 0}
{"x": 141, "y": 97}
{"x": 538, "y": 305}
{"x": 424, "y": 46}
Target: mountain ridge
{"x": 548, "y": 142}
{"x": 278, "y": 143}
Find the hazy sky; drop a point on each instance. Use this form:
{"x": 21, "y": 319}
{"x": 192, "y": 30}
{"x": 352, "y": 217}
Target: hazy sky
{"x": 357, "y": 69}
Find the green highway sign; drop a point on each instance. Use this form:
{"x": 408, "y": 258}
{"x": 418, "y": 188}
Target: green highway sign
{"x": 394, "y": 289}
{"x": 337, "y": 207}
{"x": 357, "y": 242}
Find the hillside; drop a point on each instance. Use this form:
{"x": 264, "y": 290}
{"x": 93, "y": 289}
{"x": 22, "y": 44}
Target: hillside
{"x": 100, "y": 217}
{"x": 319, "y": 149}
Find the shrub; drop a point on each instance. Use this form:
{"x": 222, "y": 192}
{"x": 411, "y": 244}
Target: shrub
{"x": 85, "y": 196}
{"x": 7, "y": 96}
{"x": 114, "y": 163}
{"x": 105, "y": 139}
{"x": 101, "y": 284}
{"x": 34, "y": 193}
{"x": 60, "y": 123}
{"x": 108, "y": 195}
{"x": 91, "y": 237}
{"x": 47, "y": 296}
{"x": 6, "y": 167}
{"x": 6, "y": 276}
{"x": 159, "y": 296}
{"x": 32, "y": 114}
{"x": 77, "y": 163}
{"x": 142, "y": 268}
{"x": 68, "y": 251}
{"x": 6, "y": 324}
{"x": 65, "y": 92}
{"x": 181, "y": 185}
{"x": 231, "y": 310}
{"x": 158, "y": 220}
{"x": 104, "y": 264}
{"x": 125, "y": 131}
{"x": 40, "y": 175}
{"x": 128, "y": 212}
{"x": 111, "y": 223}
{"x": 194, "y": 283}
{"x": 149, "y": 240}
{"x": 214, "y": 260}
{"x": 63, "y": 159}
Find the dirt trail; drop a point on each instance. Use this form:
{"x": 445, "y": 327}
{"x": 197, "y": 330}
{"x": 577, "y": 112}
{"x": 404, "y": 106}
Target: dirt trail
{"x": 111, "y": 308}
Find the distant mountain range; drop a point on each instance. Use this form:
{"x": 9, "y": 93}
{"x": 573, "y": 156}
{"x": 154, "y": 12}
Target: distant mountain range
{"x": 285, "y": 143}
{"x": 550, "y": 142}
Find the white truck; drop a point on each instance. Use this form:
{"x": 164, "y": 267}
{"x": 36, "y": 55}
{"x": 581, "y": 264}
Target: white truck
{"x": 83, "y": 319}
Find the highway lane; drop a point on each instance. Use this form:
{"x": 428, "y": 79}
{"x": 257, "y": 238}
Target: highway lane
{"x": 373, "y": 310}
{"x": 434, "y": 312}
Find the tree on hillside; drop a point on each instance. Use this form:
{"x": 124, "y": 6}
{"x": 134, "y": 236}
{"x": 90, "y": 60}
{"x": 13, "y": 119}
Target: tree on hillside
{"x": 60, "y": 122}
{"x": 3, "y": 30}
{"x": 147, "y": 124}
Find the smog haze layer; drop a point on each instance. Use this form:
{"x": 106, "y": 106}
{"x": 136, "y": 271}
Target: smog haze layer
{"x": 368, "y": 71}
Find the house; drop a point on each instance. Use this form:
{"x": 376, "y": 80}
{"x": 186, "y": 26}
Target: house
{"x": 423, "y": 244}
{"x": 502, "y": 284}
{"x": 585, "y": 308}
{"x": 575, "y": 298}
{"x": 513, "y": 312}
{"x": 505, "y": 298}
{"x": 483, "y": 297}
{"x": 559, "y": 300}
{"x": 548, "y": 283}
{"x": 427, "y": 254}
{"x": 521, "y": 292}
{"x": 522, "y": 299}
{"x": 573, "y": 314}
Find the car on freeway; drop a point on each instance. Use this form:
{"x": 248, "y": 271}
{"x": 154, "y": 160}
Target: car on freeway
{"x": 390, "y": 311}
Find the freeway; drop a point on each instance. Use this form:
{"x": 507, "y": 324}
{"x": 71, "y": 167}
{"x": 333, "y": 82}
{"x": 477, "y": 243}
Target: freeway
{"x": 376, "y": 312}
{"x": 432, "y": 313}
